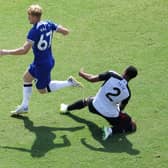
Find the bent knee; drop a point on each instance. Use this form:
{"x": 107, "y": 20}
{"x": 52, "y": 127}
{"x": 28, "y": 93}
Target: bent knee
{"x": 88, "y": 100}
{"x": 134, "y": 127}
{"x": 42, "y": 91}
{"x": 27, "y": 77}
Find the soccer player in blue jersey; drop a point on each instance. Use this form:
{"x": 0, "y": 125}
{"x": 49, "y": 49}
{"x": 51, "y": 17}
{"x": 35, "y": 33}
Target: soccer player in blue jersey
{"x": 39, "y": 38}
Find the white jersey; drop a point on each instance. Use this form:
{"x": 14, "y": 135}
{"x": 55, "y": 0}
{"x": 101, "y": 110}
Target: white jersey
{"x": 113, "y": 91}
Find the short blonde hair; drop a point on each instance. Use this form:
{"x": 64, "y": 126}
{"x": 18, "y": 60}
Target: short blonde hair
{"x": 35, "y": 10}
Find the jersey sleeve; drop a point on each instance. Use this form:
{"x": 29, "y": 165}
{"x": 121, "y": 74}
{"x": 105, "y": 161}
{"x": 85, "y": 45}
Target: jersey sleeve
{"x": 31, "y": 36}
{"x": 105, "y": 76}
{"x": 54, "y": 26}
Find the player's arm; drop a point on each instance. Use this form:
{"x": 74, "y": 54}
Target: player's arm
{"x": 89, "y": 77}
{"x": 19, "y": 51}
{"x": 123, "y": 104}
{"x": 62, "y": 30}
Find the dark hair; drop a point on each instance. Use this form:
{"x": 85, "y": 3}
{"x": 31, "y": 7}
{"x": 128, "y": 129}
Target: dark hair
{"x": 131, "y": 72}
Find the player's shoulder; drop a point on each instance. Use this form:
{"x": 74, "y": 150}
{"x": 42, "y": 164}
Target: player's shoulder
{"x": 115, "y": 74}
{"x": 49, "y": 22}
{"x": 46, "y": 24}
{"x": 32, "y": 32}
{"x": 40, "y": 24}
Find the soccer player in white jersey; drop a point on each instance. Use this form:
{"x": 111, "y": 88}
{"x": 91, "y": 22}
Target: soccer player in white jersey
{"x": 110, "y": 100}
{"x": 39, "y": 38}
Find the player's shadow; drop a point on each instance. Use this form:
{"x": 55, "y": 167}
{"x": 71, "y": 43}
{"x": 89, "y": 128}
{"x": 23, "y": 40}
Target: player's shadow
{"x": 115, "y": 144}
{"x": 44, "y": 141}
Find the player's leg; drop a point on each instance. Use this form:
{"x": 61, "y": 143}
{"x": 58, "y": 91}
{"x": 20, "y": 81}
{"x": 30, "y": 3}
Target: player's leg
{"x": 27, "y": 92}
{"x": 45, "y": 84}
{"x": 126, "y": 125}
{"x": 109, "y": 131}
{"x": 27, "y": 88}
{"x": 80, "y": 104}
{"x": 121, "y": 124}
{"x": 55, "y": 85}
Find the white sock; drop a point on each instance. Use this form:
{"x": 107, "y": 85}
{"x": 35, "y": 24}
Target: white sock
{"x": 27, "y": 92}
{"x": 56, "y": 85}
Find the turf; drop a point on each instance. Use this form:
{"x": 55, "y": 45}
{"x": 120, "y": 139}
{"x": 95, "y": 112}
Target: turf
{"x": 105, "y": 35}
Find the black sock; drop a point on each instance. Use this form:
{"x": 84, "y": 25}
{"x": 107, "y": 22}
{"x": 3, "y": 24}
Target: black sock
{"x": 77, "y": 105}
{"x": 116, "y": 130}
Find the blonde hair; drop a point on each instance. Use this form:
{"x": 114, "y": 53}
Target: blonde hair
{"x": 35, "y": 10}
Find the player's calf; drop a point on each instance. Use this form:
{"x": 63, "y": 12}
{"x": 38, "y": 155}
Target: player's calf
{"x": 74, "y": 106}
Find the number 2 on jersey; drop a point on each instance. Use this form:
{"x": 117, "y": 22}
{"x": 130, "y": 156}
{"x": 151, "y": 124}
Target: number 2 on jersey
{"x": 116, "y": 92}
{"x": 43, "y": 44}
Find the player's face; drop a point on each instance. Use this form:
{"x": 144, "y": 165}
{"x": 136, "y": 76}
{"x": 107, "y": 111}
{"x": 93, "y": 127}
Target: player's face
{"x": 123, "y": 74}
{"x": 32, "y": 19}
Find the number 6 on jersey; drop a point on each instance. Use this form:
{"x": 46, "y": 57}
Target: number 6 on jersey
{"x": 43, "y": 44}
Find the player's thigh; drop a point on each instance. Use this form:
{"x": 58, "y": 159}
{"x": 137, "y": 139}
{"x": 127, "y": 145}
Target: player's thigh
{"x": 42, "y": 82}
{"x": 27, "y": 77}
{"x": 89, "y": 102}
{"x": 43, "y": 77}
{"x": 126, "y": 123}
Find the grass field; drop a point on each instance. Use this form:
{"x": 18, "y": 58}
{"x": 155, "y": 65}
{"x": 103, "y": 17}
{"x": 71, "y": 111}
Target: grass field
{"x": 105, "y": 34}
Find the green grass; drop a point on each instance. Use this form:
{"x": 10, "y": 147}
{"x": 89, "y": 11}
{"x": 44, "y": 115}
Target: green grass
{"x": 105, "y": 34}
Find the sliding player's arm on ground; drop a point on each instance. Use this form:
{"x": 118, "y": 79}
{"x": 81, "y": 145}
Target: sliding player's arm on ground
{"x": 19, "y": 51}
{"x": 62, "y": 30}
{"x": 89, "y": 77}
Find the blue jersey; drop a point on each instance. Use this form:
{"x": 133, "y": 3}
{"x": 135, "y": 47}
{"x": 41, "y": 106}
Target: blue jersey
{"x": 41, "y": 37}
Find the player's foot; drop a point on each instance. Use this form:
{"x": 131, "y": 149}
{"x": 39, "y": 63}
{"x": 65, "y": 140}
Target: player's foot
{"x": 106, "y": 132}
{"x": 74, "y": 82}
{"x": 64, "y": 108}
{"x": 19, "y": 110}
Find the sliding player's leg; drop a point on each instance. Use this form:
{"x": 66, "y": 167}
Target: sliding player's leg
{"x": 121, "y": 124}
{"x": 126, "y": 124}
{"x": 80, "y": 104}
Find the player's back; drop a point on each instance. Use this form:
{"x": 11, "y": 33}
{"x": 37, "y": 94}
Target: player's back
{"x": 41, "y": 36}
{"x": 112, "y": 92}
{"x": 115, "y": 90}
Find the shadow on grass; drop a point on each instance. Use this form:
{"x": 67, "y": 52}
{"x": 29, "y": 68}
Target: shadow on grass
{"x": 115, "y": 144}
{"x": 44, "y": 138}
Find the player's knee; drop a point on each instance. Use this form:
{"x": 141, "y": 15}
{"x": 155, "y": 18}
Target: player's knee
{"x": 85, "y": 102}
{"x": 27, "y": 77}
{"x": 88, "y": 100}
{"x": 133, "y": 126}
{"x": 24, "y": 78}
{"x": 42, "y": 91}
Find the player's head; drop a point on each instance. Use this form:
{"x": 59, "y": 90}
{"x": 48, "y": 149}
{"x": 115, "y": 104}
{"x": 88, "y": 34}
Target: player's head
{"x": 34, "y": 13}
{"x": 130, "y": 72}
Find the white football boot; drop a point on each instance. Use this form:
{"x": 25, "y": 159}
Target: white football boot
{"x": 19, "y": 110}
{"x": 107, "y": 131}
{"x": 64, "y": 108}
{"x": 74, "y": 82}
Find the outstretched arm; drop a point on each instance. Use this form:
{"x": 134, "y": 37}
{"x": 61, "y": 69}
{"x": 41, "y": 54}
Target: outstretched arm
{"x": 19, "y": 51}
{"x": 89, "y": 77}
{"x": 62, "y": 30}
